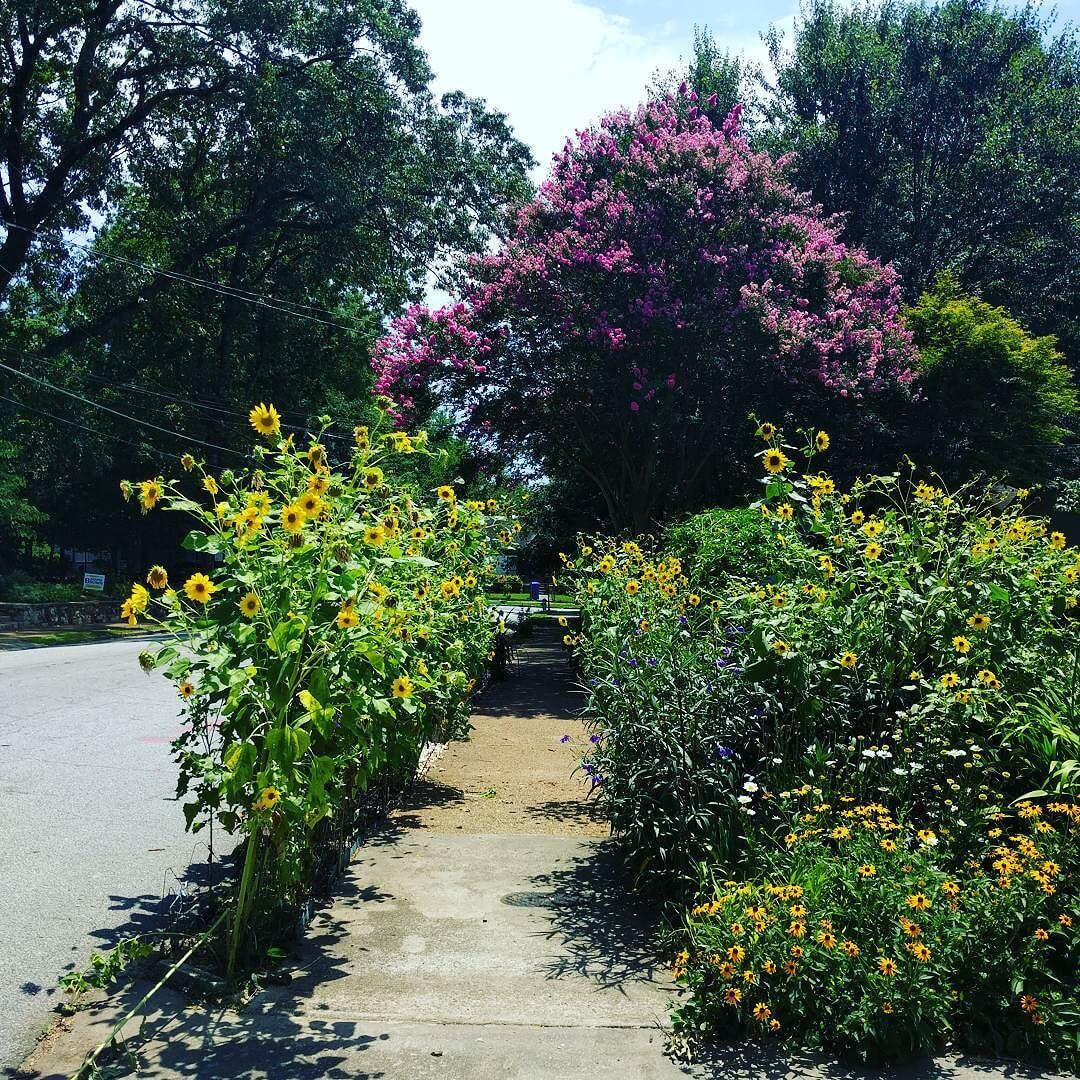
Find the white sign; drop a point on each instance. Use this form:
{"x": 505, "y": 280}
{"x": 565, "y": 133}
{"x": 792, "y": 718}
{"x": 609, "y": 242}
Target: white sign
{"x": 93, "y": 582}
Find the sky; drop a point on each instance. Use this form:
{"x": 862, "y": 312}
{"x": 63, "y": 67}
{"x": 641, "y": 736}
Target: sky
{"x": 554, "y": 66}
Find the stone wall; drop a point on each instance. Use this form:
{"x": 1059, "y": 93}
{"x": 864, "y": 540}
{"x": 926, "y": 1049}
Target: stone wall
{"x": 59, "y": 613}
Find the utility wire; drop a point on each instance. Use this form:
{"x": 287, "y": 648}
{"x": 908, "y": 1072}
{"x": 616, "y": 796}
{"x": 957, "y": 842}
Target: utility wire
{"x": 208, "y": 406}
{"x": 271, "y": 303}
{"x": 84, "y": 427}
{"x": 116, "y": 412}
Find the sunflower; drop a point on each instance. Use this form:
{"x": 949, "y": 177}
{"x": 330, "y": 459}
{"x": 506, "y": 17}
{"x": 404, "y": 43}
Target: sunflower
{"x": 311, "y": 504}
{"x": 259, "y": 501}
{"x": 781, "y": 648}
{"x": 785, "y": 511}
{"x": 633, "y": 587}
{"x": 857, "y": 517}
{"x": 961, "y": 644}
{"x": 316, "y": 454}
{"x": 319, "y": 483}
{"x": 849, "y": 660}
{"x": 362, "y": 436}
{"x": 375, "y": 535}
{"x": 250, "y": 605}
{"x": 979, "y": 621}
{"x": 210, "y": 485}
{"x": 292, "y": 518}
{"x": 265, "y": 419}
{"x": 767, "y": 432}
{"x": 821, "y": 440}
{"x": 187, "y": 462}
{"x": 199, "y": 588}
{"x": 402, "y": 687}
{"x": 186, "y": 689}
{"x": 1057, "y": 540}
{"x": 150, "y": 493}
{"x": 157, "y": 578}
{"x": 949, "y": 680}
{"x": 347, "y": 616}
{"x": 446, "y": 493}
{"x": 775, "y": 461}
{"x": 268, "y": 798}
{"x": 872, "y": 551}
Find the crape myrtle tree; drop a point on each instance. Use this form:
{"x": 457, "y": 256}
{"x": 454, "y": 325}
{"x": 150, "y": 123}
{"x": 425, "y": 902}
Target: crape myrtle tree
{"x": 666, "y": 281}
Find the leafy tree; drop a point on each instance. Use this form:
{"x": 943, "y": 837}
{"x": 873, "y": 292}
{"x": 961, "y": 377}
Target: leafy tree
{"x": 666, "y": 280}
{"x": 998, "y": 399}
{"x": 948, "y": 134}
{"x": 237, "y": 243}
{"x": 18, "y": 516}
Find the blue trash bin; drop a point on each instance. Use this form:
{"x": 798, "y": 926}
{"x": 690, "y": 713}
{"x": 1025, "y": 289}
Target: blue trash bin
{"x": 534, "y": 590}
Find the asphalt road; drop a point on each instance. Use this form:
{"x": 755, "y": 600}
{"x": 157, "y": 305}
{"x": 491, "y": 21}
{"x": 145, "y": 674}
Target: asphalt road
{"x": 89, "y": 834}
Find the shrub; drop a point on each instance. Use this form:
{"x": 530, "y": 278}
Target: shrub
{"x": 896, "y": 628}
{"x": 862, "y": 933}
{"x": 881, "y": 651}
{"x": 339, "y": 627}
{"x": 998, "y": 399}
{"x": 721, "y": 542}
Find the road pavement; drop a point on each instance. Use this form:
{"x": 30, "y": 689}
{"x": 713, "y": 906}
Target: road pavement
{"x": 90, "y": 836}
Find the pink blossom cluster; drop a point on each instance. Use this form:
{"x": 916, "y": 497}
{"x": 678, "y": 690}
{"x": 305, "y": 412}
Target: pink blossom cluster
{"x": 660, "y": 239}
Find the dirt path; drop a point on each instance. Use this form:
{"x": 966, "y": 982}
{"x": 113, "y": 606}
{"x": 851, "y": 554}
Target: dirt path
{"x": 514, "y": 774}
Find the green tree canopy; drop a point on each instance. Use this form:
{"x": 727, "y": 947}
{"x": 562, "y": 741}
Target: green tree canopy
{"x": 200, "y": 251}
{"x": 998, "y": 399}
{"x": 948, "y": 135}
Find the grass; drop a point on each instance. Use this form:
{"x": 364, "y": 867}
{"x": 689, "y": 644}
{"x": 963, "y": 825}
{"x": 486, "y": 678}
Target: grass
{"x": 522, "y": 599}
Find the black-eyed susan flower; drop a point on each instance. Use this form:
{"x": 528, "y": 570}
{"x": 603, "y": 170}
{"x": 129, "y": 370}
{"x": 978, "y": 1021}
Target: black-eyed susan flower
{"x": 886, "y": 966}
{"x": 919, "y": 902}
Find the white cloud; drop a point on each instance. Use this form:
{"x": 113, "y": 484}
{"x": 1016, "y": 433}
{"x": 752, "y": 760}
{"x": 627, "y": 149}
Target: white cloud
{"x": 552, "y": 66}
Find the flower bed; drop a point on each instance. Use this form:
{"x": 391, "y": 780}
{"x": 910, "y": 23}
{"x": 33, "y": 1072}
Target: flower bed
{"x": 894, "y": 646}
{"x": 339, "y": 625}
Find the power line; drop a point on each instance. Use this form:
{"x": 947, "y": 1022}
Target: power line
{"x": 209, "y": 406}
{"x": 271, "y": 303}
{"x": 116, "y": 412}
{"x": 84, "y": 427}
